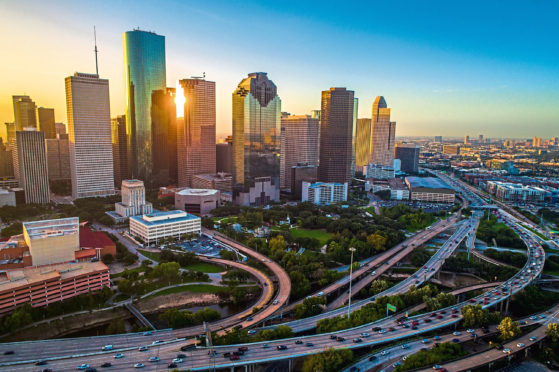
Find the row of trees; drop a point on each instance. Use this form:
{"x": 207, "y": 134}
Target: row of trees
{"x": 241, "y": 336}
{"x": 489, "y": 229}
{"x": 512, "y": 258}
{"x": 178, "y": 319}
{"x": 437, "y": 355}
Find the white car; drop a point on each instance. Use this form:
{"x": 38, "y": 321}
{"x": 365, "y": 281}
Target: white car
{"x": 83, "y": 366}
{"x": 119, "y": 356}
{"x": 154, "y": 359}
{"x": 139, "y": 365}
{"x": 520, "y": 344}
{"x": 457, "y": 333}
{"x": 107, "y": 347}
{"x": 177, "y": 360}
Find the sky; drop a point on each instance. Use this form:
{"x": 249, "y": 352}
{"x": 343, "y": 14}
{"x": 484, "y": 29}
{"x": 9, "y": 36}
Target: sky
{"x": 444, "y": 67}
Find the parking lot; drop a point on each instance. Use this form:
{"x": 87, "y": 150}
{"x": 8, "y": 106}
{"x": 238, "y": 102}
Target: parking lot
{"x": 202, "y": 246}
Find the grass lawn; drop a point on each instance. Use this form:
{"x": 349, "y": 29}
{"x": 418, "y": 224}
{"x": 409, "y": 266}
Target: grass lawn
{"x": 194, "y": 288}
{"x": 121, "y": 297}
{"x": 535, "y": 232}
{"x": 136, "y": 269}
{"x": 206, "y": 268}
{"x": 155, "y": 256}
{"x": 551, "y": 272}
{"x": 321, "y": 235}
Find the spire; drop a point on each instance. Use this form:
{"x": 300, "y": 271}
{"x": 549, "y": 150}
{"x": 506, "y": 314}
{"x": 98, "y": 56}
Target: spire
{"x": 95, "y": 38}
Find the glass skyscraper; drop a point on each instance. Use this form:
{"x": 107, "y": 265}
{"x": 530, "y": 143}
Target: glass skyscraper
{"x": 256, "y": 139}
{"x": 144, "y": 73}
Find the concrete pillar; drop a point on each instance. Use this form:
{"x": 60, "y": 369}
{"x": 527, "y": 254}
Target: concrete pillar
{"x": 290, "y": 365}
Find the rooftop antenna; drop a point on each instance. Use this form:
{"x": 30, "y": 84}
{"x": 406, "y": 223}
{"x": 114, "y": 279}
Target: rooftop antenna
{"x": 96, "y": 64}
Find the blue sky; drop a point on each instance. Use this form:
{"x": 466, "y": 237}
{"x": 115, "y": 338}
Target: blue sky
{"x": 444, "y": 67}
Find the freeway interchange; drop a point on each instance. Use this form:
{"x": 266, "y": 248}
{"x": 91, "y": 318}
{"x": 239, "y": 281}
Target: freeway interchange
{"x": 73, "y": 352}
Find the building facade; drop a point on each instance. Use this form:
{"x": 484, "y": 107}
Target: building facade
{"x": 324, "y": 193}
{"x": 196, "y": 131}
{"x": 198, "y": 201}
{"x": 299, "y": 144}
{"x": 377, "y": 171}
{"x": 58, "y": 157}
{"x": 408, "y": 154}
{"x": 299, "y": 173}
{"x": 383, "y": 134}
{"x": 32, "y": 165}
{"x": 159, "y": 225}
{"x": 451, "y": 149}
{"x": 89, "y": 126}
{"x": 224, "y": 156}
{"x": 336, "y": 135}
{"x": 25, "y": 115}
{"x": 46, "y": 122}
{"x": 429, "y": 189}
{"x": 120, "y": 149}
{"x": 52, "y": 241}
{"x": 219, "y": 181}
{"x": 256, "y": 140}
{"x": 133, "y": 201}
{"x": 362, "y": 142}
{"x": 164, "y": 136}
{"x": 144, "y": 73}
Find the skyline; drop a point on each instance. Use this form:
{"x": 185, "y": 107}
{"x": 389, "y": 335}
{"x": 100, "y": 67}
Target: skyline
{"x": 497, "y": 79}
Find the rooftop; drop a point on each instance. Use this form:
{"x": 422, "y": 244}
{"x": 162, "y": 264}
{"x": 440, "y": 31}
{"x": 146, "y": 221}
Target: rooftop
{"x": 427, "y": 182}
{"x": 160, "y": 218}
{"x": 49, "y": 228}
{"x": 198, "y": 192}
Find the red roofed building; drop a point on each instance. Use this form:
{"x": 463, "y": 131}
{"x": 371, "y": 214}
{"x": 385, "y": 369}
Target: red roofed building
{"x": 94, "y": 244}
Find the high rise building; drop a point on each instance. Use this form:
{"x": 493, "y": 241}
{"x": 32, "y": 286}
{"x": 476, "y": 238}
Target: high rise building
{"x": 196, "y": 132}
{"x": 60, "y": 128}
{"x": 536, "y": 142}
{"x": 362, "y": 142}
{"x": 6, "y": 164}
{"x": 466, "y": 140}
{"x": 133, "y": 199}
{"x": 256, "y": 140}
{"x": 10, "y": 133}
{"x": 46, "y": 122}
{"x": 439, "y": 139}
{"x": 58, "y": 157}
{"x": 144, "y": 72}
{"x": 336, "y": 135}
{"x": 383, "y": 133}
{"x": 24, "y": 112}
{"x": 120, "y": 149}
{"x": 480, "y": 139}
{"x": 224, "y": 156}
{"x": 32, "y": 164}
{"x": 408, "y": 153}
{"x": 89, "y": 127}
{"x": 300, "y": 173}
{"x": 299, "y": 144}
{"x": 164, "y": 136}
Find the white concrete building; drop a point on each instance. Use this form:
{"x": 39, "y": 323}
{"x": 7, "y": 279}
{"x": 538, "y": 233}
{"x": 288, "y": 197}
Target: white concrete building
{"x": 159, "y": 225}
{"x": 324, "y": 193}
{"x": 133, "y": 199}
{"x": 378, "y": 171}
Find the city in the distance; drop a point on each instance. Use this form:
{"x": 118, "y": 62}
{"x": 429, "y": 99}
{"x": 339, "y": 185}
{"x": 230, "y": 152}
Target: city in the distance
{"x": 313, "y": 186}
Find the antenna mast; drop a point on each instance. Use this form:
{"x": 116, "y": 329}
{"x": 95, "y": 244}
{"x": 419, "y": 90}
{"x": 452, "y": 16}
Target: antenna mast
{"x": 95, "y": 37}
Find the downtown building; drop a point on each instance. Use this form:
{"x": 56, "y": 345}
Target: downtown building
{"x": 155, "y": 226}
{"x": 299, "y": 144}
{"x": 144, "y": 73}
{"x": 120, "y": 149}
{"x": 164, "y": 136}
{"x": 46, "y": 122}
{"x": 133, "y": 201}
{"x": 58, "y": 157}
{"x": 32, "y": 165}
{"x": 324, "y": 193}
{"x": 383, "y": 132}
{"x": 362, "y": 142}
{"x": 89, "y": 126}
{"x": 408, "y": 154}
{"x": 256, "y": 141}
{"x": 336, "y": 135}
{"x": 196, "y": 150}
{"x": 25, "y": 115}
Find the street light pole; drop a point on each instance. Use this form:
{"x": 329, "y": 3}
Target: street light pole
{"x": 350, "y": 274}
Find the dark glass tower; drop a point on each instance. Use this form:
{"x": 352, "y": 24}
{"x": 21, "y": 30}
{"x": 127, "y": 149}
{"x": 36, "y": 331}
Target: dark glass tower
{"x": 144, "y": 73}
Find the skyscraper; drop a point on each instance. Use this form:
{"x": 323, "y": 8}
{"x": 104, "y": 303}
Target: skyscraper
{"x": 24, "y": 112}
{"x": 336, "y": 135}
{"x": 196, "y": 132}
{"x": 256, "y": 140}
{"x": 46, "y": 122}
{"x": 89, "y": 131}
{"x": 32, "y": 163}
{"x": 6, "y": 164}
{"x": 60, "y": 128}
{"x": 480, "y": 139}
{"x": 408, "y": 153}
{"x": 466, "y": 140}
{"x": 144, "y": 72}
{"x": 362, "y": 142}
{"x": 10, "y": 133}
{"x": 58, "y": 157}
{"x": 224, "y": 156}
{"x": 299, "y": 144}
{"x": 383, "y": 133}
{"x": 164, "y": 136}
{"x": 120, "y": 149}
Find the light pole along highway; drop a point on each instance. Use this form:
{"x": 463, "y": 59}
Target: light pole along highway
{"x": 350, "y": 272}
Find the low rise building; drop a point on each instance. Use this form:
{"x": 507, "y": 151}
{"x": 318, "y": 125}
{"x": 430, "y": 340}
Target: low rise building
{"x": 302, "y": 172}
{"x": 159, "y": 225}
{"x": 262, "y": 192}
{"x": 396, "y": 186}
{"x": 516, "y": 192}
{"x": 378, "y": 171}
{"x": 41, "y": 286}
{"x": 430, "y": 189}
{"x": 220, "y": 181}
{"x": 133, "y": 199}
{"x": 94, "y": 244}
{"x": 451, "y": 149}
{"x": 324, "y": 193}
{"x": 199, "y": 201}
{"x": 52, "y": 241}
{"x": 7, "y": 197}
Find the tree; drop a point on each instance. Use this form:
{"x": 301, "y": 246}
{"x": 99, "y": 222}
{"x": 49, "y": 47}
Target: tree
{"x": 310, "y": 306}
{"x": 167, "y": 271}
{"x": 124, "y": 286}
{"x": 378, "y": 286}
{"x": 474, "y": 316}
{"x": 328, "y": 361}
{"x": 552, "y": 332}
{"x": 108, "y": 259}
{"x": 377, "y": 241}
{"x": 300, "y": 285}
{"x": 277, "y": 247}
{"x": 508, "y": 329}
{"x": 227, "y": 255}
{"x": 238, "y": 294}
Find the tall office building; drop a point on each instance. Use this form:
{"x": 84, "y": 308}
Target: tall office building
{"x": 439, "y": 139}
{"x": 536, "y": 142}
{"x": 60, "y": 128}
{"x": 10, "y": 133}
{"x": 383, "y": 133}
{"x": 164, "y": 136}
{"x": 89, "y": 127}
{"x": 58, "y": 157}
{"x": 120, "y": 149}
{"x": 196, "y": 132}
{"x": 256, "y": 140}
{"x": 6, "y": 164}
{"x": 466, "y": 140}
{"x": 408, "y": 153}
{"x": 144, "y": 72}
{"x": 32, "y": 163}
{"x": 362, "y": 142}
{"x": 224, "y": 156}
{"x": 46, "y": 122}
{"x": 24, "y": 112}
{"x": 299, "y": 144}
{"x": 336, "y": 135}
{"x": 480, "y": 139}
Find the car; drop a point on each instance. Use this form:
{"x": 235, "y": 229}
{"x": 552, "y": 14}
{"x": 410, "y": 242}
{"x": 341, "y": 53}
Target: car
{"x": 46, "y": 370}
{"x": 252, "y": 332}
{"x": 405, "y": 346}
{"x": 147, "y": 333}
{"x": 107, "y": 347}
{"x": 506, "y": 350}
{"x": 376, "y": 329}
{"x": 182, "y": 356}
{"x": 437, "y": 366}
{"x": 372, "y": 357}
{"x": 83, "y": 366}
{"x": 364, "y": 335}
{"x": 340, "y": 339}
{"x": 321, "y": 293}
{"x": 298, "y": 342}
{"x": 357, "y": 340}
{"x": 520, "y": 344}
{"x": 373, "y": 272}
{"x": 177, "y": 360}
{"x": 470, "y": 330}
{"x": 533, "y": 338}
{"x": 427, "y": 320}
{"x": 9, "y": 352}
{"x": 154, "y": 359}
{"x": 249, "y": 318}
{"x": 119, "y": 356}
{"x": 91, "y": 369}
{"x": 156, "y": 342}
{"x": 499, "y": 347}
{"x": 456, "y": 333}
{"x": 172, "y": 365}
{"x": 265, "y": 346}
{"x": 275, "y": 302}
{"x": 309, "y": 344}
{"x": 455, "y": 340}
{"x": 243, "y": 348}
{"x": 238, "y": 353}
{"x": 439, "y": 316}
{"x": 281, "y": 347}
{"x": 382, "y": 331}
{"x": 143, "y": 348}
{"x": 437, "y": 338}
{"x": 425, "y": 341}
{"x": 397, "y": 364}
{"x": 522, "y": 322}
{"x": 333, "y": 337}
{"x": 106, "y": 365}
{"x": 533, "y": 317}
{"x": 234, "y": 357}
{"x": 391, "y": 329}
{"x": 414, "y": 327}
{"x": 226, "y": 355}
